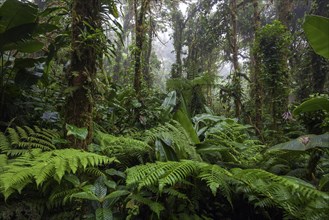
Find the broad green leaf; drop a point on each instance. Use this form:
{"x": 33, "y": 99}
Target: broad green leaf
{"x": 317, "y": 31}
{"x": 313, "y": 104}
{"x": 13, "y": 37}
{"x": 187, "y": 125}
{"x": 114, "y": 172}
{"x": 104, "y": 214}
{"x": 164, "y": 152}
{"x": 72, "y": 179}
{"x": 304, "y": 143}
{"x": 80, "y": 133}
{"x": 85, "y": 195}
{"x": 170, "y": 101}
{"x": 116, "y": 194}
{"x": 29, "y": 46}
{"x": 14, "y": 13}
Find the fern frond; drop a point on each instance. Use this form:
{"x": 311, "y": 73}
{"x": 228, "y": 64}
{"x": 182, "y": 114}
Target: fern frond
{"x": 128, "y": 151}
{"x": 13, "y": 136}
{"x": 298, "y": 199}
{"x": 4, "y": 143}
{"x": 216, "y": 177}
{"x": 161, "y": 173}
{"x": 175, "y": 193}
{"x": 38, "y": 167}
{"x": 22, "y": 133}
{"x": 19, "y": 140}
{"x": 154, "y": 206}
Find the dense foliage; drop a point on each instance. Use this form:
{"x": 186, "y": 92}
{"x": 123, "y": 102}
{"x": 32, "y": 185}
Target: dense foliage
{"x": 89, "y": 130}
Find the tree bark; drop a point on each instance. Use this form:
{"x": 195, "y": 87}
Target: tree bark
{"x": 147, "y": 56}
{"x": 139, "y": 41}
{"x": 234, "y": 51}
{"x": 256, "y": 89}
{"x": 79, "y": 103}
{"x": 178, "y": 24}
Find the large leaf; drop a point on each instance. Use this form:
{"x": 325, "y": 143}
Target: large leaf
{"x": 117, "y": 194}
{"x": 14, "y": 13}
{"x": 313, "y": 104}
{"x": 186, "y": 123}
{"x": 304, "y": 143}
{"x": 10, "y": 38}
{"x": 170, "y": 101}
{"x": 80, "y": 133}
{"x": 29, "y": 46}
{"x": 317, "y": 31}
{"x": 86, "y": 196}
{"x": 104, "y": 214}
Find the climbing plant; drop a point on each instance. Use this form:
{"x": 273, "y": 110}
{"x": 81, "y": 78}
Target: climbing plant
{"x": 271, "y": 44}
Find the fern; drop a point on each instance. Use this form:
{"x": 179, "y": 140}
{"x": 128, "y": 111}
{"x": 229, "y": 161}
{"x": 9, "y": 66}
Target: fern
{"x": 161, "y": 173}
{"x": 124, "y": 148}
{"x": 38, "y": 167}
{"x": 217, "y": 177}
{"x": 171, "y": 137}
{"x": 19, "y": 140}
{"x": 298, "y": 199}
{"x": 154, "y": 206}
{"x": 295, "y": 197}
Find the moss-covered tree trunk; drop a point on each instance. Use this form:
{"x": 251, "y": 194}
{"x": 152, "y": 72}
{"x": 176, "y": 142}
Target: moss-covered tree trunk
{"x": 178, "y": 27}
{"x": 234, "y": 51}
{"x": 256, "y": 89}
{"x": 79, "y": 105}
{"x": 147, "y": 54}
{"x": 139, "y": 41}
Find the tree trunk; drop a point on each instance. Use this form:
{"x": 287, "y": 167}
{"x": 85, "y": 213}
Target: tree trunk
{"x": 148, "y": 52}
{"x": 284, "y": 11}
{"x": 139, "y": 41}
{"x": 256, "y": 89}
{"x": 79, "y": 105}
{"x": 234, "y": 50}
{"x": 178, "y": 24}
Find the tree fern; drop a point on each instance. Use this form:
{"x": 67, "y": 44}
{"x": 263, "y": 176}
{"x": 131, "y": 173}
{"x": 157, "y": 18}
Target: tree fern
{"x": 19, "y": 140}
{"x": 38, "y": 167}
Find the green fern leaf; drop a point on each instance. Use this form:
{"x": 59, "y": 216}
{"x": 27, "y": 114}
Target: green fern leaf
{"x": 40, "y": 166}
{"x": 216, "y": 177}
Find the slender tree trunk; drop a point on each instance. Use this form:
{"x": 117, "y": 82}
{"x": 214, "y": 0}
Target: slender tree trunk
{"x": 79, "y": 105}
{"x": 118, "y": 71}
{"x": 139, "y": 40}
{"x": 234, "y": 51}
{"x": 148, "y": 52}
{"x": 178, "y": 24}
{"x": 256, "y": 88}
{"x": 284, "y": 11}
